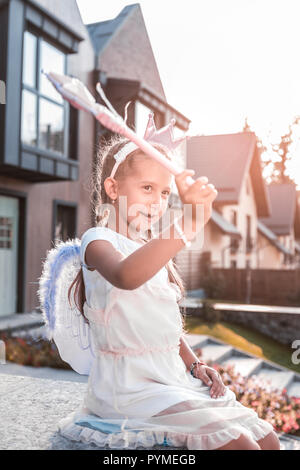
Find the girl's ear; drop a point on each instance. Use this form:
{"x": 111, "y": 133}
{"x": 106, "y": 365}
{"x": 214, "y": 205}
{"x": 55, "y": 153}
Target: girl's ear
{"x": 111, "y": 187}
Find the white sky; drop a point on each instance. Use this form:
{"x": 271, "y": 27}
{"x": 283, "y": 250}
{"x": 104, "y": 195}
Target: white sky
{"x": 222, "y": 60}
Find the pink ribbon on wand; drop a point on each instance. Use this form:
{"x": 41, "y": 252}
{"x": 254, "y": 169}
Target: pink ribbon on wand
{"x": 77, "y": 94}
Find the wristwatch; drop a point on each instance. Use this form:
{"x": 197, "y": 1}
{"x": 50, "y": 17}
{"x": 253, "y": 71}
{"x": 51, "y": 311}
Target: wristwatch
{"x": 193, "y": 365}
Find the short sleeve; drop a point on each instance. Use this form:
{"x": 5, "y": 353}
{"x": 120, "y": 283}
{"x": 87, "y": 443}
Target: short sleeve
{"x": 97, "y": 233}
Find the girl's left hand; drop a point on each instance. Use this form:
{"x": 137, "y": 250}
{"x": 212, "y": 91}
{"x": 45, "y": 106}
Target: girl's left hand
{"x": 211, "y": 377}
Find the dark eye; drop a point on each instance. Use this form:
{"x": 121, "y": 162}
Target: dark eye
{"x": 148, "y": 186}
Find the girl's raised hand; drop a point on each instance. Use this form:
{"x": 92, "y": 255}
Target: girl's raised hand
{"x": 197, "y": 193}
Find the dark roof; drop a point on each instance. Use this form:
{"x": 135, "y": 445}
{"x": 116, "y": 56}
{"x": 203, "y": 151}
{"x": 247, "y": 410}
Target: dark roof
{"x": 226, "y": 160}
{"x": 271, "y": 237}
{"x": 123, "y": 49}
{"x": 285, "y": 211}
{"x": 226, "y": 227}
{"x": 102, "y": 31}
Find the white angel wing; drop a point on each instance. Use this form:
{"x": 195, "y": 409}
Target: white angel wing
{"x": 65, "y": 323}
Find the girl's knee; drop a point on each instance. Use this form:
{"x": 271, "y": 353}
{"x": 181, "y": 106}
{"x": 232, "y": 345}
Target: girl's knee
{"x": 270, "y": 442}
{"x": 243, "y": 442}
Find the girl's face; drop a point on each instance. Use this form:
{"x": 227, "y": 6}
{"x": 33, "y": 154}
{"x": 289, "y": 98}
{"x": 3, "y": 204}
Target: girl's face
{"x": 147, "y": 191}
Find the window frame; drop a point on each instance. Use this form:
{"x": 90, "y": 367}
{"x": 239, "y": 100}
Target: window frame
{"x": 37, "y": 93}
{"x": 68, "y": 204}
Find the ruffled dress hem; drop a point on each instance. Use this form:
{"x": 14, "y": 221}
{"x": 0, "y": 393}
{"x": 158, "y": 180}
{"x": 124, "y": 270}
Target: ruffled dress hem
{"x": 253, "y": 427}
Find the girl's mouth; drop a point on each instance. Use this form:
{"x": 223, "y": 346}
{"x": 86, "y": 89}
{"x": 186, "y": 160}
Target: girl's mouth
{"x": 149, "y": 216}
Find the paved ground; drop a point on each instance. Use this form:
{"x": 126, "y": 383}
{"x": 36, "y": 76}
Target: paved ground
{"x": 31, "y": 406}
{"x": 34, "y": 399}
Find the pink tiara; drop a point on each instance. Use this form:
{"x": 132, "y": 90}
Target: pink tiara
{"x": 163, "y": 136}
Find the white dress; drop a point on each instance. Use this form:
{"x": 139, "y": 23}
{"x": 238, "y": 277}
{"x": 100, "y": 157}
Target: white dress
{"x": 139, "y": 390}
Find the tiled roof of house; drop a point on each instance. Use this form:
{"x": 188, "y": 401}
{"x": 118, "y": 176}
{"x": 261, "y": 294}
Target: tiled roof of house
{"x": 285, "y": 212}
{"x": 271, "y": 237}
{"x": 223, "y": 224}
{"x": 102, "y": 31}
{"x": 226, "y": 160}
{"x": 123, "y": 49}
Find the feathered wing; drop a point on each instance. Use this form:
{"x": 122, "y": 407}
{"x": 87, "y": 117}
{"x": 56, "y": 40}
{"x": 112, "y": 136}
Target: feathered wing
{"x": 64, "y": 322}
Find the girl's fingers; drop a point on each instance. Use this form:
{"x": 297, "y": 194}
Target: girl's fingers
{"x": 219, "y": 389}
{"x": 209, "y": 193}
{"x": 200, "y": 186}
{"x": 206, "y": 191}
{"x": 181, "y": 180}
{"x": 216, "y": 391}
{"x": 206, "y": 379}
{"x": 216, "y": 382}
{"x": 182, "y": 176}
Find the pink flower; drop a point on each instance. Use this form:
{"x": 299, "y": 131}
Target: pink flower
{"x": 286, "y": 427}
{"x": 255, "y": 403}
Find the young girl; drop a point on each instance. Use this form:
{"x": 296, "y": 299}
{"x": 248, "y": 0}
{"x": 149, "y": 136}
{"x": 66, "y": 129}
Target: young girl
{"x": 141, "y": 391}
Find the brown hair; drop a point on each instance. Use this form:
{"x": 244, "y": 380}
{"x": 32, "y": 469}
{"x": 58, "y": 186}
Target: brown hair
{"x": 102, "y": 168}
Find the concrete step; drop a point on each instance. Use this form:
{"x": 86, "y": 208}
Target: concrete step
{"x": 244, "y": 365}
{"x": 247, "y": 365}
{"x": 12, "y": 368}
{"x": 215, "y": 352}
{"x": 195, "y": 341}
{"x": 36, "y": 333}
{"x": 21, "y": 321}
{"x": 275, "y": 378}
{"x": 191, "y": 302}
{"x": 293, "y": 389}
{"x": 211, "y": 349}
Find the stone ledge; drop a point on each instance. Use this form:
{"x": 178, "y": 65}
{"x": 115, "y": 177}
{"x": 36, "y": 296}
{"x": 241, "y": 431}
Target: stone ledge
{"x": 30, "y": 408}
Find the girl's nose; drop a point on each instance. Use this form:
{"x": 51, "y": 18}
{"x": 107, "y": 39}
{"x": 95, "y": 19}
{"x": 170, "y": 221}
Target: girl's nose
{"x": 156, "y": 205}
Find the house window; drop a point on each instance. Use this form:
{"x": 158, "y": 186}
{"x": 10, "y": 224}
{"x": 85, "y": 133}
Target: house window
{"x": 6, "y": 234}
{"x": 64, "y": 221}
{"x": 233, "y": 264}
{"x": 45, "y": 115}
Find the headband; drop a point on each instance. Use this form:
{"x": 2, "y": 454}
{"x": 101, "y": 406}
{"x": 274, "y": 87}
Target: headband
{"x": 163, "y": 136}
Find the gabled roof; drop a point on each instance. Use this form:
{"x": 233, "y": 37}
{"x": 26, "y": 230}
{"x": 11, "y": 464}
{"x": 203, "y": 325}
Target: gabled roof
{"x": 123, "y": 49}
{"x": 272, "y": 237}
{"x": 102, "y": 31}
{"x": 285, "y": 211}
{"x": 226, "y": 227}
{"x": 226, "y": 160}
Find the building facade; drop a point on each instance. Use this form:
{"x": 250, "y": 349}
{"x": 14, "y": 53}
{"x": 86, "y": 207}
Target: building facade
{"x": 47, "y": 148}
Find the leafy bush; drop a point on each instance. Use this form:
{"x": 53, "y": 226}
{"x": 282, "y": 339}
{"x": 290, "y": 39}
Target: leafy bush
{"x": 274, "y": 406}
{"x": 28, "y": 351}
{"x": 210, "y": 314}
{"x": 213, "y": 283}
